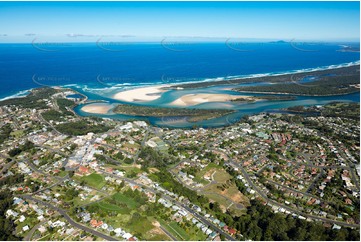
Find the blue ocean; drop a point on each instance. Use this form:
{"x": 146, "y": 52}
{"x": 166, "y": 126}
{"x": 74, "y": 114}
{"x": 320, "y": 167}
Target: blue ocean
{"x": 89, "y": 65}
{"x": 101, "y": 70}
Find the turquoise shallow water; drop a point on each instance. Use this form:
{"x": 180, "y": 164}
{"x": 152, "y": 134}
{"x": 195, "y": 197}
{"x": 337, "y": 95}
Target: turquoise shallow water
{"x": 100, "y": 74}
{"x": 240, "y": 108}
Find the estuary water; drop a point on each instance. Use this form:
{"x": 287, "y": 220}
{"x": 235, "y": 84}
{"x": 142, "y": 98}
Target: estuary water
{"x": 100, "y": 72}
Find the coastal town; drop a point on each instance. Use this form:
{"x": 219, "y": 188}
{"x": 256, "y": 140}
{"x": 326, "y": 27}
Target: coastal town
{"x": 67, "y": 177}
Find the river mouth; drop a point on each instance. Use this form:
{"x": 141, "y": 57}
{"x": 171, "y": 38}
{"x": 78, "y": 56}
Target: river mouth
{"x": 240, "y": 109}
{"x": 164, "y": 105}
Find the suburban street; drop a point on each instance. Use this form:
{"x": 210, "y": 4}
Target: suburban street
{"x": 70, "y": 220}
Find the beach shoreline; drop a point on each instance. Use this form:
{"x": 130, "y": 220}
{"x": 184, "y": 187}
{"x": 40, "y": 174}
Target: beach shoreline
{"x": 97, "y": 108}
{"x": 199, "y": 98}
{"x": 152, "y": 93}
{"x": 141, "y": 94}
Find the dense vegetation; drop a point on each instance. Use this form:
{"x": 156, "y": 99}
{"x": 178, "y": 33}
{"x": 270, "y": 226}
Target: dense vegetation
{"x": 334, "y": 109}
{"x": 5, "y": 132}
{"x": 52, "y": 115}
{"x": 266, "y": 97}
{"x": 152, "y": 158}
{"x": 81, "y": 128}
{"x": 192, "y": 114}
{"x": 344, "y": 110}
{"x": 261, "y": 223}
{"x": 63, "y": 104}
{"x": 327, "y": 85}
{"x": 7, "y": 226}
{"x": 166, "y": 180}
{"x": 351, "y": 70}
{"x": 25, "y": 147}
{"x": 33, "y": 100}
{"x": 277, "y": 98}
{"x": 17, "y": 178}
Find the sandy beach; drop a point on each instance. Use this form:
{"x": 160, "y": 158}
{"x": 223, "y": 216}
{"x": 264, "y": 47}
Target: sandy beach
{"x": 194, "y": 99}
{"x": 141, "y": 94}
{"x": 101, "y": 108}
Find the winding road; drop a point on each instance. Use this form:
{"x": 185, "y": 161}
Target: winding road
{"x": 69, "y": 219}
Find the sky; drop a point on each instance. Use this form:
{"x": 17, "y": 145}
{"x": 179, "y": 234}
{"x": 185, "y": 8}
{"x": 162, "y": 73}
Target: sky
{"x": 325, "y": 21}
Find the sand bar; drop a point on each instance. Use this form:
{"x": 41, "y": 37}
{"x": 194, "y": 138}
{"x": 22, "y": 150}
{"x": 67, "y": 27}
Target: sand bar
{"x": 194, "y": 99}
{"x": 141, "y": 94}
{"x": 101, "y": 108}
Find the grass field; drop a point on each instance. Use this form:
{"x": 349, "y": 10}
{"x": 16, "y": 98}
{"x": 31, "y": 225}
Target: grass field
{"x": 45, "y": 238}
{"x": 62, "y": 173}
{"x": 171, "y": 230}
{"x": 111, "y": 207}
{"x": 179, "y": 230}
{"x": 17, "y": 133}
{"x": 214, "y": 197}
{"x": 221, "y": 176}
{"x": 94, "y": 180}
{"x": 124, "y": 204}
{"x": 141, "y": 226}
{"x": 210, "y": 166}
{"x": 121, "y": 198}
{"x": 192, "y": 234}
{"x": 125, "y": 167}
{"x": 225, "y": 197}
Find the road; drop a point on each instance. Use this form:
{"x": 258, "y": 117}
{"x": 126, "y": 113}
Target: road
{"x": 47, "y": 188}
{"x": 191, "y": 211}
{"x": 264, "y": 196}
{"x": 167, "y": 233}
{"x": 6, "y": 167}
{"x": 70, "y": 220}
{"x": 314, "y": 182}
{"x": 31, "y": 232}
{"x": 53, "y": 150}
{"x": 44, "y": 121}
{"x": 141, "y": 145}
{"x": 294, "y": 190}
{"x": 34, "y": 168}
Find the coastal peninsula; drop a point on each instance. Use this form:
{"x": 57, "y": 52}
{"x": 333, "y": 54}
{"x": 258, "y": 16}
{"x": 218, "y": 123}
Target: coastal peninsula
{"x": 192, "y": 115}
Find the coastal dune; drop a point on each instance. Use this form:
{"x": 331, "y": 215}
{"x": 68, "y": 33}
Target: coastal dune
{"x": 101, "y": 108}
{"x": 141, "y": 94}
{"x": 194, "y": 99}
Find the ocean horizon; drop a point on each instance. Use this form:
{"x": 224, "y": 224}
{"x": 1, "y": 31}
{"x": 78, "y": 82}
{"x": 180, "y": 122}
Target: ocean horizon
{"x": 105, "y": 68}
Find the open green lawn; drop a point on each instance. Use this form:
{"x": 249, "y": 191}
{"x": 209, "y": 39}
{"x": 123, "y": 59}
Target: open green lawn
{"x": 192, "y": 234}
{"x": 210, "y": 166}
{"x": 180, "y": 231}
{"x": 112, "y": 207}
{"x": 17, "y": 133}
{"x": 221, "y": 200}
{"x": 159, "y": 237}
{"x": 94, "y": 180}
{"x": 124, "y": 204}
{"x": 135, "y": 145}
{"x": 167, "y": 227}
{"x": 221, "y": 176}
{"x": 121, "y": 198}
{"x": 62, "y": 173}
{"x": 45, "y": 238}
{"x": 141, "y": 226}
